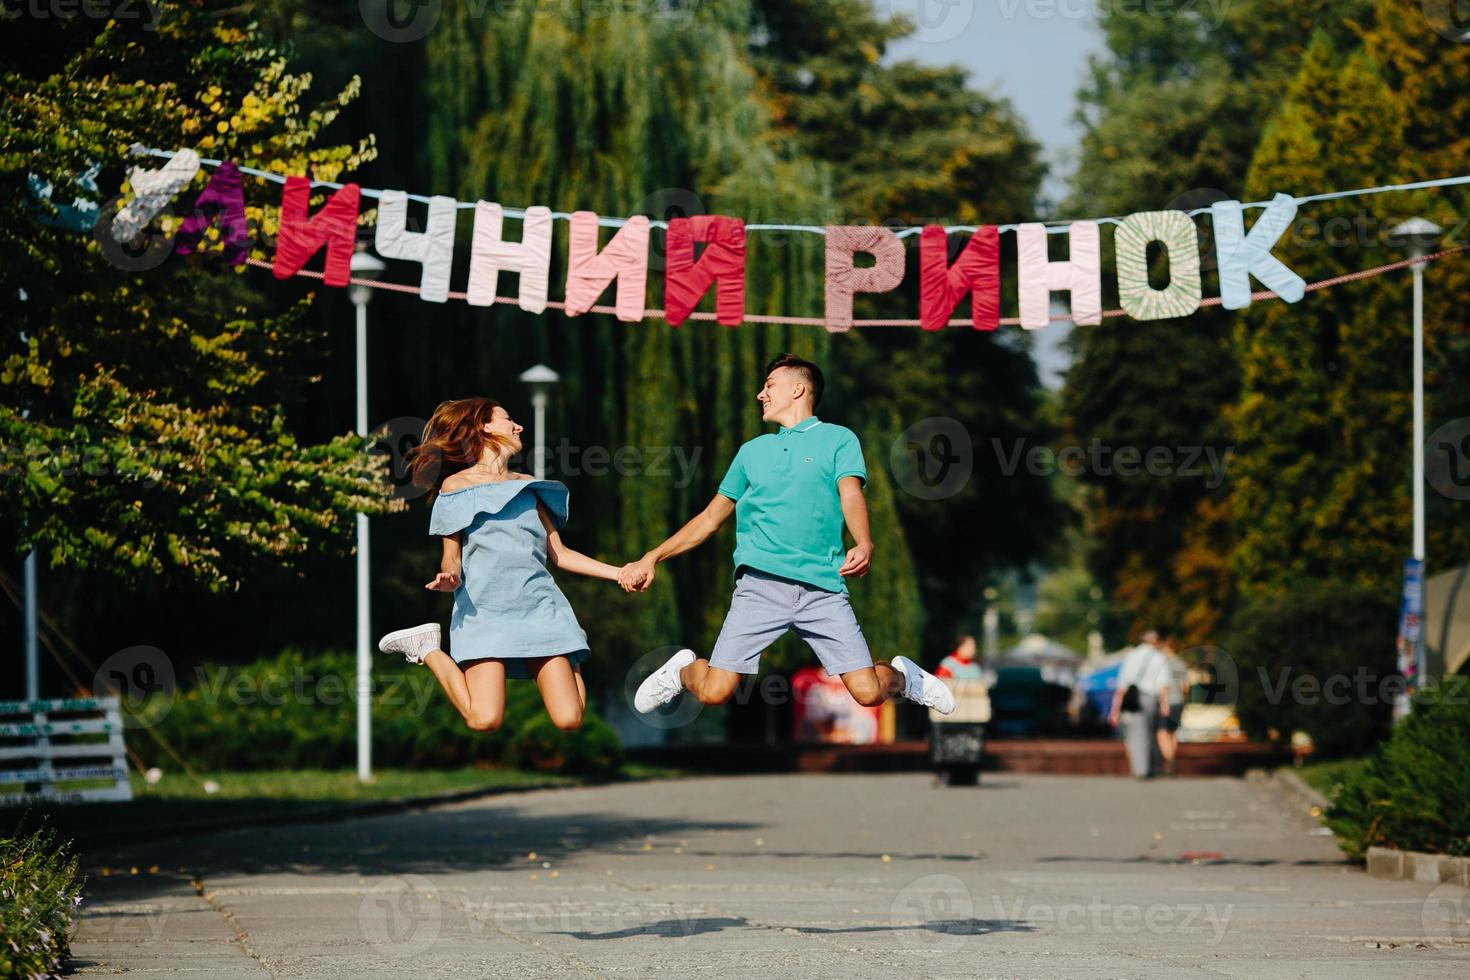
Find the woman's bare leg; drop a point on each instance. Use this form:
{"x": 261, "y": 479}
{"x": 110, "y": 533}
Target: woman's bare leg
{"x": 562, "y": 691}
{"x": 477, "y": 691}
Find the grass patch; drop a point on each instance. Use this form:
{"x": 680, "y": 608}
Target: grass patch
{"x": 1324, "y": 776}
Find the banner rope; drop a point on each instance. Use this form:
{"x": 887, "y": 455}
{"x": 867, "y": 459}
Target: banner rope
{"x": 816, "y": 321}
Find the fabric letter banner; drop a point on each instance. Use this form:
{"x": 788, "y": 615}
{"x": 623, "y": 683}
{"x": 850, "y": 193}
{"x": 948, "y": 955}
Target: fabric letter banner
{"x": 1242, "y": 256}
{"x": 433, "y": 248}
{"x": 531, "y": 257}
{"x": 1080, "y": 275}
{"x": 590, "y": 272}
{"x": 301, "y": 237}
{"x": 723, "y": 261}
{"x": 845, "y": 279}
{"x": 152, "y": 190}
{"x": 1176, "y": 232}
{"x": 976, "y": 272}
{"x": 222, "y": 200}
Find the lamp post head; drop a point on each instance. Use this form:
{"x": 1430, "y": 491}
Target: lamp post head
{"x": 540, "y": 379}
{"x": 364, "y": 263}
{"x": 1419, "y": 236}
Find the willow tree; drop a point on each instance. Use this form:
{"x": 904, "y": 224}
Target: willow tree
{"x": 594, "y": 106}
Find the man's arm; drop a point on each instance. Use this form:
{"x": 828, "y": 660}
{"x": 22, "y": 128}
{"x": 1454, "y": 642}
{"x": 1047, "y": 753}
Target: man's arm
{"x": 855, "y": 513}
{"x": 638, "y": 576}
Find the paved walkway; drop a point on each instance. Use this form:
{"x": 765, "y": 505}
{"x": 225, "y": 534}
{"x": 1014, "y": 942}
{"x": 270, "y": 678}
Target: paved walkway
{"x": 780, "y": 876}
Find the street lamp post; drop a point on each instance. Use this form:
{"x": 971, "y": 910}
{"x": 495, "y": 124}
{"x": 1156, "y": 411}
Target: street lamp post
{"x": 363, "y": 264}
{"x": 1419, "y": 236}
{"x": 540, "y": 378}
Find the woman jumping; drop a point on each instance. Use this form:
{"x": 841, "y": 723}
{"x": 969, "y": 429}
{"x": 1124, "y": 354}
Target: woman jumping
{"x": 510, "y": 619}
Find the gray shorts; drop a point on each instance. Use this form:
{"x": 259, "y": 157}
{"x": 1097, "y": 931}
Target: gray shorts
{"x": 764, "y": 607}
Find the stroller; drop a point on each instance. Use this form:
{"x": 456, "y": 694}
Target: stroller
{"x": 957, "y": 741}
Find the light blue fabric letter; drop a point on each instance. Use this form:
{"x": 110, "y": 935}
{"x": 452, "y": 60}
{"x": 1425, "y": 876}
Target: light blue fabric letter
{"x": 1242, "y": 256}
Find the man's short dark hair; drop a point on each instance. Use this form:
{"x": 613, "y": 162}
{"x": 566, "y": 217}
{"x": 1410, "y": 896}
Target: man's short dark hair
{"x": 810, "y": 372}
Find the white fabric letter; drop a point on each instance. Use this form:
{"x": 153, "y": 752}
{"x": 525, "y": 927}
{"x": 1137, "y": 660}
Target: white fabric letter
{"x": 531, "y": 257}
{"x": 433, "y": 247}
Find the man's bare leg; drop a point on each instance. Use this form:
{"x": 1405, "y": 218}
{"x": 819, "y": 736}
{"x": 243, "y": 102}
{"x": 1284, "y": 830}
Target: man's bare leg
{"x": 711, "y": 685}
{"x": 871, "y": 686}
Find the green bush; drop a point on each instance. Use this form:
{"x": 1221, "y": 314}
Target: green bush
{"x": 1412, "y": 793}
{"x": 1319, "y": 660}
{"x": 296, "y": 711}
{"x": 39, "y": 894}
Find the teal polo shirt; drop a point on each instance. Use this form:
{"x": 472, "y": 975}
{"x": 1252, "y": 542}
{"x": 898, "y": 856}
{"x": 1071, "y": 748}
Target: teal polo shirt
{"x": 788, "y": 516}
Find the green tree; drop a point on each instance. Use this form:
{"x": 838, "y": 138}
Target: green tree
{"x": 140, "y": 423}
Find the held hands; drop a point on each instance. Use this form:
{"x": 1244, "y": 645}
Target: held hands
{"x": 445, "y": 581}
{"x": 637, "y": 576}
{"x": 858, "y": 561}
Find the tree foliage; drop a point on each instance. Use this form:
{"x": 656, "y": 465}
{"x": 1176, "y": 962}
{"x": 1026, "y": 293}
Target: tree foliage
{"x": 140, "y": 426}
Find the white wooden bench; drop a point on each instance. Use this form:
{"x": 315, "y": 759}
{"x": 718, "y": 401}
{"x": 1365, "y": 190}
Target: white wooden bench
{"x": 34, "y": 734}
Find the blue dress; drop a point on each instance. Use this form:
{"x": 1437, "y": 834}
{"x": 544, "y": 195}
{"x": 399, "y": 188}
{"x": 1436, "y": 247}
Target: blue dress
{"x": 507, "y": 605}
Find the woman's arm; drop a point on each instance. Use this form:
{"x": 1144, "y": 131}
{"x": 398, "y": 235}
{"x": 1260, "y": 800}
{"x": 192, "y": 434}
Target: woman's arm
{"x": 568, "y": 560}
{"x": 449, "y": 566}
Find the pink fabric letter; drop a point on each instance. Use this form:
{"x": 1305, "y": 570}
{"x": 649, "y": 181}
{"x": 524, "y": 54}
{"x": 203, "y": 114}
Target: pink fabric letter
{"x": 625, "y": 259}
{"x": 531, "y": 256}
{"x": 1039, "y": 277}
{"x": 844, "y": 279}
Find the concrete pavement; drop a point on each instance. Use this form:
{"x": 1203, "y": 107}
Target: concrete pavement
{"x": 779, "y": 876}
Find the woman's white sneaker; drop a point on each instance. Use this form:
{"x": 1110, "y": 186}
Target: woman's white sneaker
{"x": 664, "y": 684}
{"x": 414, "y": 643}
{"x": 924, "y": 688}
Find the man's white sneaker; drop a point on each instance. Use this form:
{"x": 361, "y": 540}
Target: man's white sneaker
{"x": 924, "y": 688}
{"x": 414, "y": 643}
{"x": 664, "y": 684}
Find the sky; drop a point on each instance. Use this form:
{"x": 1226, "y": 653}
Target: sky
{"x": 1032, "y": 52}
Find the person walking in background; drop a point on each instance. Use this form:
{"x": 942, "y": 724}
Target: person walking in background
{"x": 961, "y": 664}
{"x": 1178, "y": 686}
{"x": 1142, "y": 692}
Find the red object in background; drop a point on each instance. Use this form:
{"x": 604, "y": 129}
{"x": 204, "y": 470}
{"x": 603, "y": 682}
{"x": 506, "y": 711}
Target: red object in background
{"x": 722, "y": 263}
{"x": 303, "y": 235}
{"x": 823, "y": 711}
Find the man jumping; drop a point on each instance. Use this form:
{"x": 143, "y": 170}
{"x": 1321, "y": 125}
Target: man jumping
{"x": 790, "y": 493}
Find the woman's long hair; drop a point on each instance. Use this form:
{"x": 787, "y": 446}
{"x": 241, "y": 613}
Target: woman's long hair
{"x": 454, "y": 440}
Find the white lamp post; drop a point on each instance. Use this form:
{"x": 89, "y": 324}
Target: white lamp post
{"x": 540, "y": 378}
{"x": 1419, "y": 236}
{"x": 363, "y": 264}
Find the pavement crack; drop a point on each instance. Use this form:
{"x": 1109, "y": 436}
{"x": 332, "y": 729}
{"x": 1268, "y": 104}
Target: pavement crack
{"x": 242, "y": 938}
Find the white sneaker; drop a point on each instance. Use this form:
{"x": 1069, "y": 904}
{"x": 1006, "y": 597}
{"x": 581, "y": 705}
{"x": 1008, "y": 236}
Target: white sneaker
{"x": 663, "y": 685}
{"x": 924, "y": 688}
{"x": 414, "y": 643}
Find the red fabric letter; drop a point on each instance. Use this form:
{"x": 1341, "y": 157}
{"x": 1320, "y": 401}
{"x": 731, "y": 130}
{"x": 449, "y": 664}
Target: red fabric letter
{"x": 976, "y": 271}
{"x": 686, "y": 281}
{"x": 334, "y": 226}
